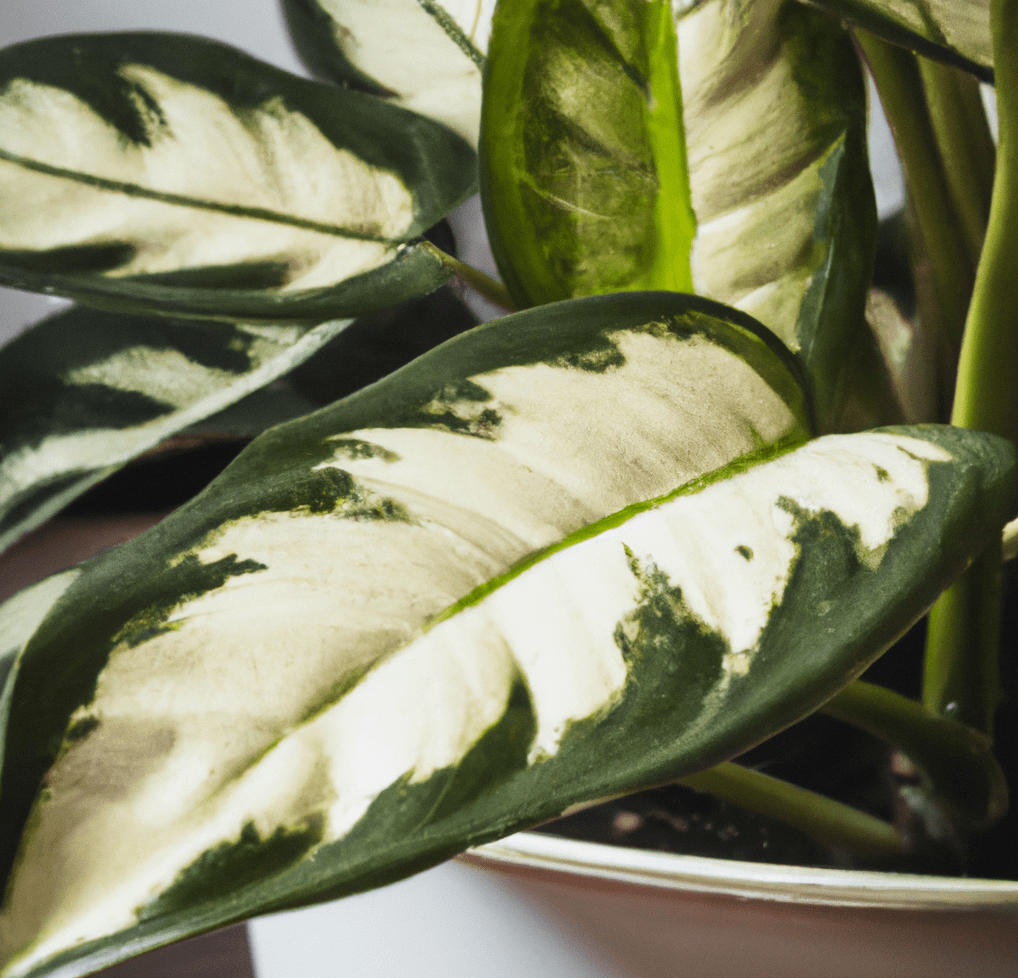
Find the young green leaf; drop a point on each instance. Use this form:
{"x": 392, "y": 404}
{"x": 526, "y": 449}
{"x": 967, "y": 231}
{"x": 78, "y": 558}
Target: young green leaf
{"x": 318, "y": 554}
{"x": 426, "y": 55}
{"x": 654, "y": 643}
{"x": 585, "y": 182}
{"x": 955, "y": 31}
{"x": 176, "y": 175}
{"x": 86, "y": 391}
{"x": 733, "y": 164}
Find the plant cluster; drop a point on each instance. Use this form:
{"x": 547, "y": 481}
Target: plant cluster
{"x": 466, "y": 577}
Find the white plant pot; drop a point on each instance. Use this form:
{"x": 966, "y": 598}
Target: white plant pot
{"x": 557, "y": 908}
{"x": 660, "y": 914}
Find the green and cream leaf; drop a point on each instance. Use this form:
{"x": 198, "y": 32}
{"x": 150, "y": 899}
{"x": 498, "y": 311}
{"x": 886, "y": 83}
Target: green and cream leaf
{"x": 85, "y": 391}
{"x": 425, "y": 55}
{"x": 655, "y": 642}
{"x": 779, "y": 176}
{"x": 325, "y": 548}
{"x": 176, "y": 175}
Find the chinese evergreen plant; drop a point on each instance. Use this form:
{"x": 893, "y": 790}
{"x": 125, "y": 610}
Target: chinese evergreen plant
{"x": 677, "y": 499}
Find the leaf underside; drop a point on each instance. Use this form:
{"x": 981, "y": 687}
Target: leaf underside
{"x": 584, "y": 176}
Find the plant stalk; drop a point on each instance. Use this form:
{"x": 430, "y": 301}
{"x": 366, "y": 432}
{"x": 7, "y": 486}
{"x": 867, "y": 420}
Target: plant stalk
{"x": 484, "y": 284}
{"x": 961, "y": 678}
{"x": 961, "y": 674}
{"x": 986, "y": 395}
{"x": 899, "y": 82}
{"x": 957, "y": 761}
{"x": 966, "y": 151}
{"x": 824, "y": 820}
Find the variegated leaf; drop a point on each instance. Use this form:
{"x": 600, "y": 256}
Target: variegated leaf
{"x": 655, "y": 642}
{"x": 177, "y": 175}
{"x": 19, "y": 619}
{"x": 85, "y": 391}
{"x": 426, "y": 55}
{"x": 317, "y": 555}
{"x": 956, "y": 31}
{"x": 770, "y": 208}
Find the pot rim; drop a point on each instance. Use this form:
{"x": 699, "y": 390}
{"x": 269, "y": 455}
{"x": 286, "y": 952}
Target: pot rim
{"x": 547, "y": 854}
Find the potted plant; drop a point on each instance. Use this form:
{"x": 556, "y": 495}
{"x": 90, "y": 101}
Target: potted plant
{"x": 611, "y": 540}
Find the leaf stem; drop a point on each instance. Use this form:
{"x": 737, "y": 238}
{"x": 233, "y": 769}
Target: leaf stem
{"x": 963, "y": 644}
{"x": 484, "y": 284}
{"x": 826, "y": 821}
{"x": 957, "y": 760}
{"x": 966, "y": 149}
{"x": 899, "y": 82}
{"x": 986, "y": 396}
{"x": 961, "y": 672}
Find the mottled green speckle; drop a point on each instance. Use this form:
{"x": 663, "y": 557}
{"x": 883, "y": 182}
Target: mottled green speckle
{"x": 358, "y": 450}
{"x": 598, "y": 359}
{"x": 185, "y": 581}
{"x": 462, "y": 407}
{"x": 81, "y": 728}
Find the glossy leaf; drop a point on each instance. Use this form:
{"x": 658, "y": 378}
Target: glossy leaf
{"x": 653, "y": 643}
{"x": 176, "y": 175}
{"x": 86, "y": 391}
{"x": 426, "y": 55}
{"x": 955, "y": 31}
{"x": 317, "y": 555}
{"x": 583, "y": 192}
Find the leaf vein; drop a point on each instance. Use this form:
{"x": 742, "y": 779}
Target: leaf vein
{"x": 181, "y": 200}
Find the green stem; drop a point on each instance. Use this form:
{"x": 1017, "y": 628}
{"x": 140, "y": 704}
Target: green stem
{"x": 493, "y": 291}
{"x": 986, "y": 394}
{"x": 961, "y": 672}
{"x": 899, "y": 83}
{"x": 958, "y": 761}
{"x": 966, "y": 150}
{"x": 822, "y": 819}
{"x": 962, "y": 648}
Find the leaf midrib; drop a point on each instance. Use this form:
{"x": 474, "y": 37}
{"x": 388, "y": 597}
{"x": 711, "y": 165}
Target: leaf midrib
{"x": 182, "y": 200}
{"x": 454, "y": 32}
